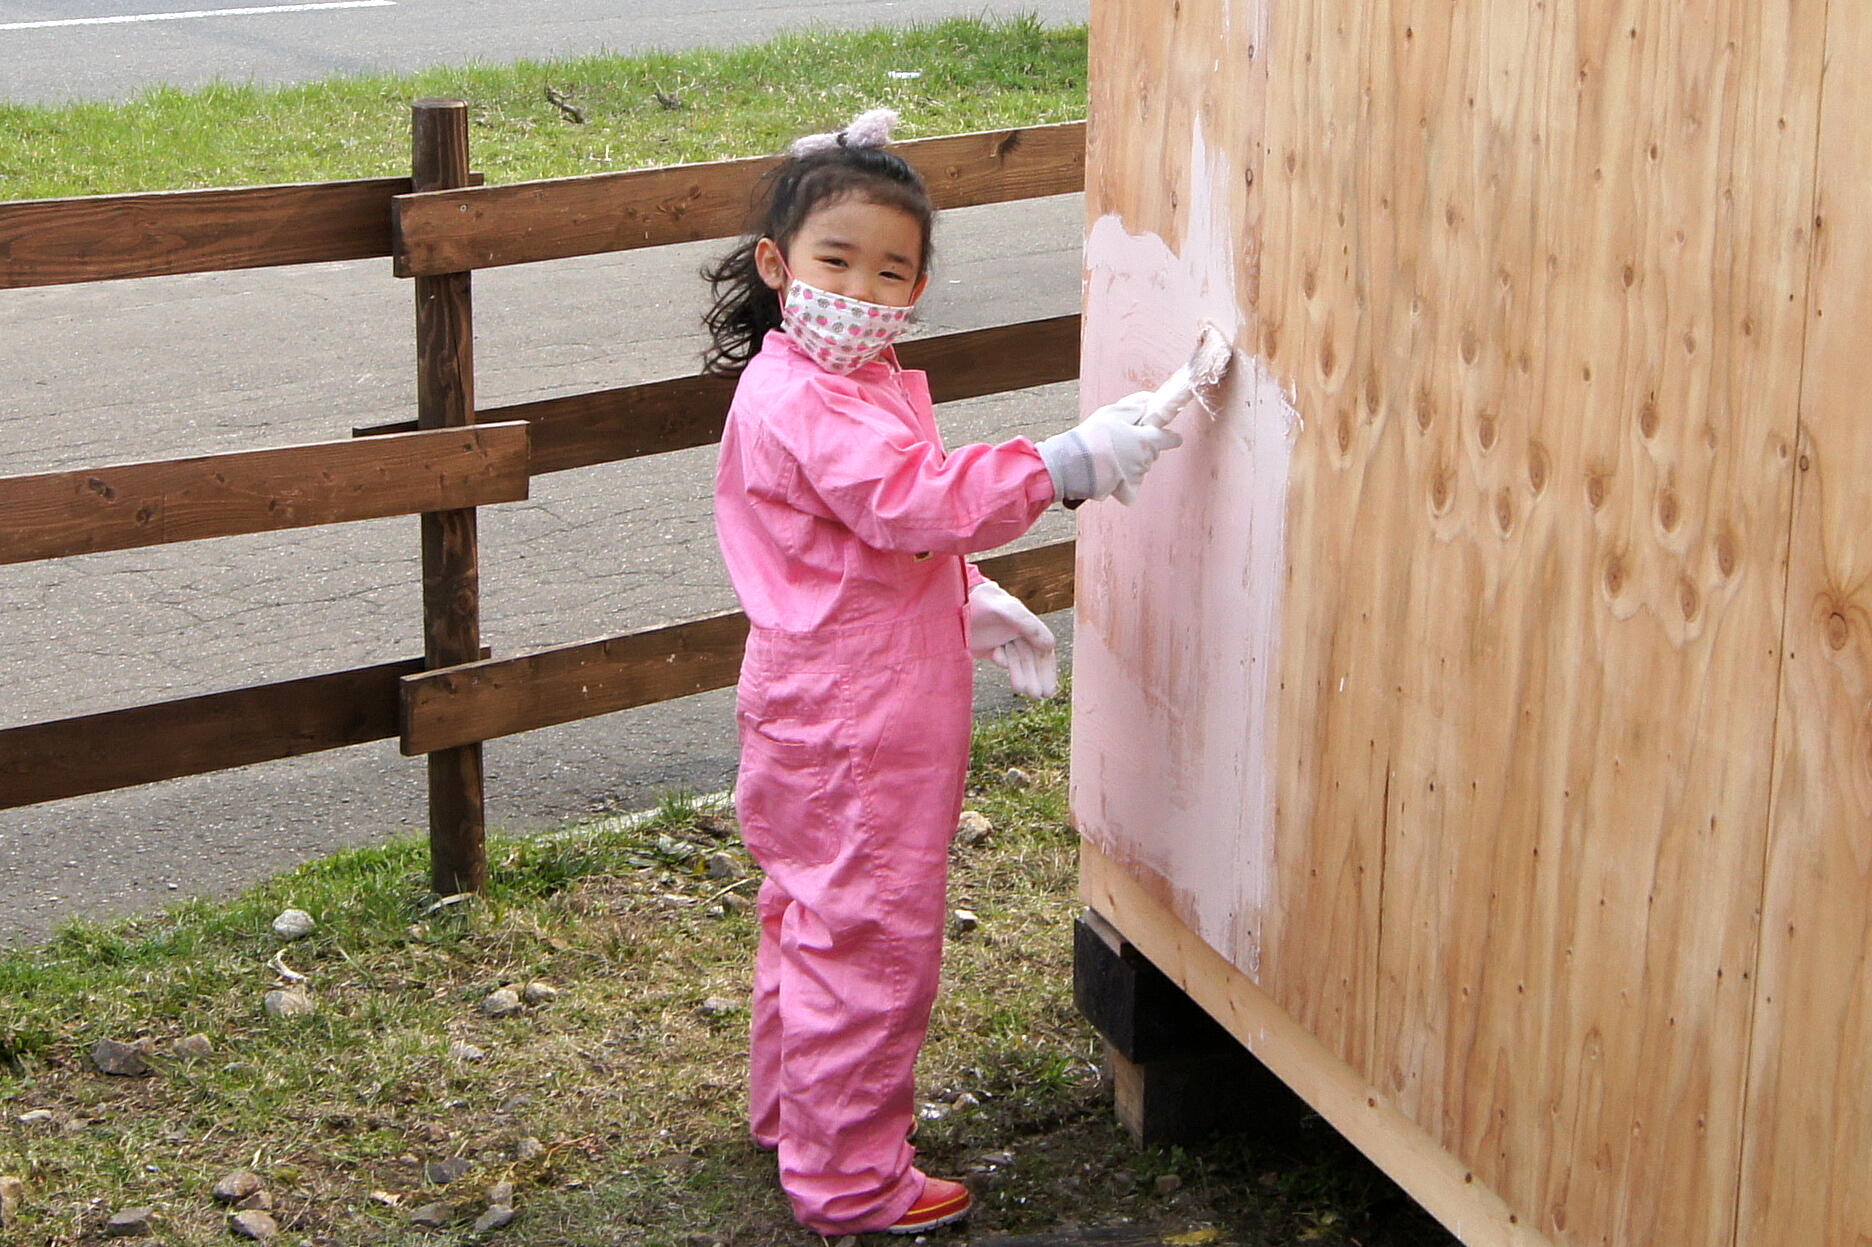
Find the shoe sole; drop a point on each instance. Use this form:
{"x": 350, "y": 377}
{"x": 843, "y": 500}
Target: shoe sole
{"x": 947, "y": 1218}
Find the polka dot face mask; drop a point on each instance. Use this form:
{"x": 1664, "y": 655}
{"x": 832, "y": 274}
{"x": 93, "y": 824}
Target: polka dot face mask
{"x": 838, "y": 332}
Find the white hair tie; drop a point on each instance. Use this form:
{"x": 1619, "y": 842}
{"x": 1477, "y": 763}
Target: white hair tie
{"x": 868, "y": 129}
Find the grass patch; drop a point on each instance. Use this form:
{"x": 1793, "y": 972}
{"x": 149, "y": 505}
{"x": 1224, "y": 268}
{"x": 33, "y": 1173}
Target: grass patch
{"x": 637, "y": 111}
{"x": 616, "y": 1107}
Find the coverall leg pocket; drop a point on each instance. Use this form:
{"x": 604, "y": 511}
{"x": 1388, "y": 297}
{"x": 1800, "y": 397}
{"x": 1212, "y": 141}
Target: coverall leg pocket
{"x": 790, "y": 727}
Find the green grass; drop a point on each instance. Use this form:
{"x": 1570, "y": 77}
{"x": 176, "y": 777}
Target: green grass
{"x": 739, "y": 102}
{"x": 635, "y": 1098}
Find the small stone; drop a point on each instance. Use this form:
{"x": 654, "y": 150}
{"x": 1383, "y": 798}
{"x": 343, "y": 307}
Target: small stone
{"x": 192, "y": 1048}
{"x": 514, "y": 1103}
{"x": 967, "y": 1100}
{"x": 717, "y": 1006}
{"x": 122, "y": 1059}
{"x": 736, "y": 903}
{"x": 385, "y": 1198}
{"x": 973, "y": 829}
{"x": 12, "y": 1195}
{"x": 236, "y": 1186}
{"x": 1017, "y": 778}
{"x": 38, "y": 1117}
{"x": 539, "y": 992}
{"x": 466, "y": 1052}
{"x": 1167, "y": 1184}
{"x": 129, "y": 1223}
{"x": 443, "y": 1172}
{"x": 502, "y": 1003}
{"x": 254, "y": 1223}
{"x": 288, "y": 1002}
{"x": 500, "y": 1193}
{"x": 723, "y": 866}
{"x": 497, "y": 1217}
{"x": 293, "y": 924}
{"x": 259, "y": 1201}
{"x": 433, "y": 1216}
{"x": 529, "y": 1148}
{"x": 962, "y": 921}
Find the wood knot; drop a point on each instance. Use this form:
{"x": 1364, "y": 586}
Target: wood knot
{"x": 1485, "y": 430}
{"x": 1538, "y": 468}
{"x": 1669, "y": 512}
{"x": 1597, "y": 486}
{"x": 1838, "y": 631}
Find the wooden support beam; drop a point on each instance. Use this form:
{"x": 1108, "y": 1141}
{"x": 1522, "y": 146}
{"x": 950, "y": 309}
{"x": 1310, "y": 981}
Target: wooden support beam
{"x": 446, "y": 232}
{"x": 1177, "y": 1075}
{"x": 451, "y": 570}
{"x": 45, "y": 242}
{"x": 53, "y": 514}
{"x": 604, "y": 426}
{"x": 499, "y": 697}
{"x": 195, "y": 735}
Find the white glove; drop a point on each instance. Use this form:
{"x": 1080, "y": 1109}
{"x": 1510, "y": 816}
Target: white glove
{"x": 1108, "y": 453}
{"x": 1004, "y": 631}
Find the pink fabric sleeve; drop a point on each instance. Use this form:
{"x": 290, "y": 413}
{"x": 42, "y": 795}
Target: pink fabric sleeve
{"x": 860, "y": 465}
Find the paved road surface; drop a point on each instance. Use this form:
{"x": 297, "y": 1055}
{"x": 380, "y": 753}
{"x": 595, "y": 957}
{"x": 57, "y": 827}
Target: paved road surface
{"x": 110, "y": 49}
{"x": 158, "y": 368}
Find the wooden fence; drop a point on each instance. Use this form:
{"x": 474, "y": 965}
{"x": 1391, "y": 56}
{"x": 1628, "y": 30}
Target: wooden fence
{"x": 438, "y": 226}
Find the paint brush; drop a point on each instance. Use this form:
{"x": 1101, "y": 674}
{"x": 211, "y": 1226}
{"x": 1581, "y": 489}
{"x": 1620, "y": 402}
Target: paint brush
{"x": 1199, "y": 379}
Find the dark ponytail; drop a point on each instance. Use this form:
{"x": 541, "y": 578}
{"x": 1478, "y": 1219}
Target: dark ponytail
{"x": 745, "y": 309}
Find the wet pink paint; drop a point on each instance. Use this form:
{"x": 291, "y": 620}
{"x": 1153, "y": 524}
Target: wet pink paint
{"x": 1179, "y": 596}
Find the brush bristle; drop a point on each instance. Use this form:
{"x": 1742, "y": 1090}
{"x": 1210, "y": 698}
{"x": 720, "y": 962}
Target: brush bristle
{"x": 1211, "y": 359}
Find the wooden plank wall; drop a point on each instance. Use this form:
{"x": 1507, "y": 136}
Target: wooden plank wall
{"x": 1809, "y": 1135}
{"x": 1535, "y": 281}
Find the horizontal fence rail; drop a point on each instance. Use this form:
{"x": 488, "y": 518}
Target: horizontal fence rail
{"x": 48, "y": 242}
{"x": 453, "y": 706}
{"x": 603, "y": 426}
{"x": 194, "y": 735}
{"x": 251, "y": 491}
{"x": 557, "y": 218}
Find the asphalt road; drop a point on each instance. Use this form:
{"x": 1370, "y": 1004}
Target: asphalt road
{"x": 166, "y": 367}
{"x": 54, "y": 50}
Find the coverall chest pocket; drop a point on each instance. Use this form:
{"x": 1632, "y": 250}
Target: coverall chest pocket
{"x": 793, "y": 764}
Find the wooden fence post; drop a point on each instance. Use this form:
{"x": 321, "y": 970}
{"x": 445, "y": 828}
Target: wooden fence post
{"x": 450, "y": 557}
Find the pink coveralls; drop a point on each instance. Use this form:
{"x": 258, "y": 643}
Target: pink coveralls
{"x": 843, "y": 523}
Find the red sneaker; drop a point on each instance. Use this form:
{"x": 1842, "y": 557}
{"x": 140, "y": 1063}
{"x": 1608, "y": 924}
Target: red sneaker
{"x": 941, "y": 1203}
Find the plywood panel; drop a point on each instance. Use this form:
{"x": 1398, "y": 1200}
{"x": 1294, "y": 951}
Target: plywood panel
{"x": 1470, "y": 773}
{"x": 1809, "y": 1141}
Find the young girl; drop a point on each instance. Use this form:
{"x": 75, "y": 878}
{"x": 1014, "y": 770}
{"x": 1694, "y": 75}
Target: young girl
{"x": 843, "y": 523}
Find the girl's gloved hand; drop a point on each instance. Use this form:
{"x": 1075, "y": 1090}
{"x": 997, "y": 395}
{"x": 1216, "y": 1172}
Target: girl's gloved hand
{"x": 1006, "y": 633}
{"x": 1108, "y": 453}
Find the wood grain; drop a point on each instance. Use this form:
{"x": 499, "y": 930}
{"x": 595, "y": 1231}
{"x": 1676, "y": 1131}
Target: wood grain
{"x": 1533, "y": 279}
{"x": 451, "y": 551}
{"x": 1809, "y": 1125}
{"x": 455, "y": 231}
{"x": 604, "y": 426}
{"x": 46, "y": 242}
{"x": 196, "y": 735}
{"x": 483, "y": 700}
{"x": 143, "y": 504}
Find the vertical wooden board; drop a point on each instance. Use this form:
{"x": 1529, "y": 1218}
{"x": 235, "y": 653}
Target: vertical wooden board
{"x": 1534, "y": 274}
{"x": 1176, "y": 615}
{"x": 1809, "y": 1120}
